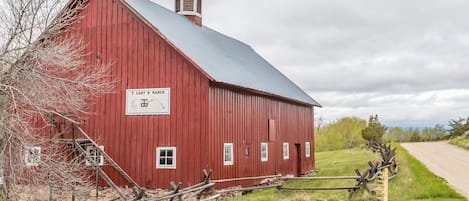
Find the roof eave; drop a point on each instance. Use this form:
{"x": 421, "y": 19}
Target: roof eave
{"x": 263, "y": 93}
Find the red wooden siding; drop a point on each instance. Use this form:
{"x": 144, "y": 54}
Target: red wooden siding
{"x": 140, "y": 58}
{"x": 204, "y": 115}
{"x": 243, "y": 119}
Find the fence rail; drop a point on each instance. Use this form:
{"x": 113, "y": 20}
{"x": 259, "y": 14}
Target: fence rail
{"x": 247, "y": 178}
{"x": 322, "y": 178}
{"x": 205, "y": 188}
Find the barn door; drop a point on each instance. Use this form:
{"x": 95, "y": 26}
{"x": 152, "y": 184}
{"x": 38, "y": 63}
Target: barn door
{"x": 298, "y": 159}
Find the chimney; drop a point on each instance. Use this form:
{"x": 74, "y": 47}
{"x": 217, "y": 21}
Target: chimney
{"x": 192, "y": 9}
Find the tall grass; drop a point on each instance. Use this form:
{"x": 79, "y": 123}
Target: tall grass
{"x": 460, "y": 142}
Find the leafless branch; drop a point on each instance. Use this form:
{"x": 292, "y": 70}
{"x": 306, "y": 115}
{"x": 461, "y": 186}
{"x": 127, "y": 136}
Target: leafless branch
{"x": 43, "y": 70}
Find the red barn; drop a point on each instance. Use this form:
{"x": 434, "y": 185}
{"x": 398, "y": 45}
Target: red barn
{"x": 189, "y": 98}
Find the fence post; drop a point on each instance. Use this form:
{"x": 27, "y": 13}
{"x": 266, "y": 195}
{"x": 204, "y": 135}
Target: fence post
{"x": 385, "y": 184}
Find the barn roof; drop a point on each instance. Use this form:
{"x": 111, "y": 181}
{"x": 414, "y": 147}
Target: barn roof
{"x": 224, "y": 59}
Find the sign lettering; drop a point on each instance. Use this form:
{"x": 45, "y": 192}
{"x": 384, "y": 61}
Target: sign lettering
{"x": 148, "y": 101}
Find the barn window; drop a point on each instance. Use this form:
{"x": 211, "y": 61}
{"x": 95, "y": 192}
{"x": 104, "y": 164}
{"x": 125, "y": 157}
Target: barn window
{"x": 308, "y": 149}
{"x": 95, "y": 156}
{"x": 286, "y": 151}
{"x": 264, "y": 152}
{"x": 32, "y": 156}
{"x": 166, "y": 157}
{"x": 228, "y": 154}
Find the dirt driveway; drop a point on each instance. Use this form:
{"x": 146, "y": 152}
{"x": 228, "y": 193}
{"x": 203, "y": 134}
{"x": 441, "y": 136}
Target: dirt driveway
{"x": 446, "y": 161}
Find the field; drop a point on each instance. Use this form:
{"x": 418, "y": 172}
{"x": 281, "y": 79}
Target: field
{"x": 460, "y": 142}
{"x": 414, "y": 182}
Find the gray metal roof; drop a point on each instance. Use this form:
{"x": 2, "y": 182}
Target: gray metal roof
{"x": 225, "y": 59}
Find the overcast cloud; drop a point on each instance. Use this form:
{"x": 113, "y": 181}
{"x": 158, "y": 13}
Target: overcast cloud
{"x": 407, "y": 61}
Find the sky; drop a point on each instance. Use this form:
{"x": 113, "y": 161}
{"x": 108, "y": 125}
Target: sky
{"x": 407, "y": 61}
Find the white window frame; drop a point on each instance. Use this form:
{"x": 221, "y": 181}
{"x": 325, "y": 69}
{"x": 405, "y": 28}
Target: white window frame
{"x": 308, "y": 149}
{"x": 286, "y": 151}
{"x": 94, "y": 156}
{"x": 158, "y": 157}
{"x": 266, "y": 158}
{"x": 231, "y": 148}
{"x": 32, "y": 156}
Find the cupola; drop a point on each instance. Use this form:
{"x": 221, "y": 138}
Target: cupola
{"x": 192, "y": 9}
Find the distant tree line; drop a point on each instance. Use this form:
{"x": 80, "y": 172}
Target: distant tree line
{"x": 397, "y": 134}
{"x": 351, "y": 132}
{"x": 457, "y": 128}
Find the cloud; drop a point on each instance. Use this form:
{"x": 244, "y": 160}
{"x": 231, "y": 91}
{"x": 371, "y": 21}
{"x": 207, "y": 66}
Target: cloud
{"x": 406, "y": 60}
{"x": 423, "y": 108}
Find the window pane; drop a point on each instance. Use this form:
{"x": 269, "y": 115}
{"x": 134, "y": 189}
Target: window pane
{"x": 285, "y": 151}
{"x": 263, "y": 151}
{"x": 162, "y": 153}
{"x": 228, "y": 154}
{"x": 169, "y": 153}
{"x": 169, "y": 161}
{"x": 162, "y": 161}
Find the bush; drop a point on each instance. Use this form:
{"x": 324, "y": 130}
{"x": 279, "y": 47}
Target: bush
{"x": 342, "y": 134}
{"x": 460, "y": 142}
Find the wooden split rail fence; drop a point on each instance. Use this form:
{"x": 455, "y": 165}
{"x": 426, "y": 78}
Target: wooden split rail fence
{"x": 203, "y": 191}
{"x": 374, "y": 172}
{"x": 362, "y": 179}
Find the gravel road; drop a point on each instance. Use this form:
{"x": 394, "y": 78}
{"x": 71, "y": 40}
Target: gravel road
{"x": 446, "y": 161}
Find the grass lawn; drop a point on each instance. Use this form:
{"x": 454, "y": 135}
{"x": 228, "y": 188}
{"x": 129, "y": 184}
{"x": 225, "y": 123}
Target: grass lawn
{"x": 414, "y": 182}
{"x": 460, "y": 142}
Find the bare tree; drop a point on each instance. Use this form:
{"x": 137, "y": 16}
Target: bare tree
{"x": 319, "y": 124}
{"x": 43, "y": 70}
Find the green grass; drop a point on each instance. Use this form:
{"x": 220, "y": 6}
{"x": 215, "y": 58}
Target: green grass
{"x": 460, "y": 142}
{"x": 415, "y": 181}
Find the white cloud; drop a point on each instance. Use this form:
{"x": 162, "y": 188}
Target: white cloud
{"x": 404, "y": 60}
{"x": 428, "y": 108}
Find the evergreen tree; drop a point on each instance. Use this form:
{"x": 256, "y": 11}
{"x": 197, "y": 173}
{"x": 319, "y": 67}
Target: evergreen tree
{"x": 458, "y": 127}
{"x": 374, "y": 131}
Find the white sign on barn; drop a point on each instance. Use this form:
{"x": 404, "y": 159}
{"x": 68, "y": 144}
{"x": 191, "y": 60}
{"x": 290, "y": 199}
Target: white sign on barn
{"x": 148, "y": 101}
